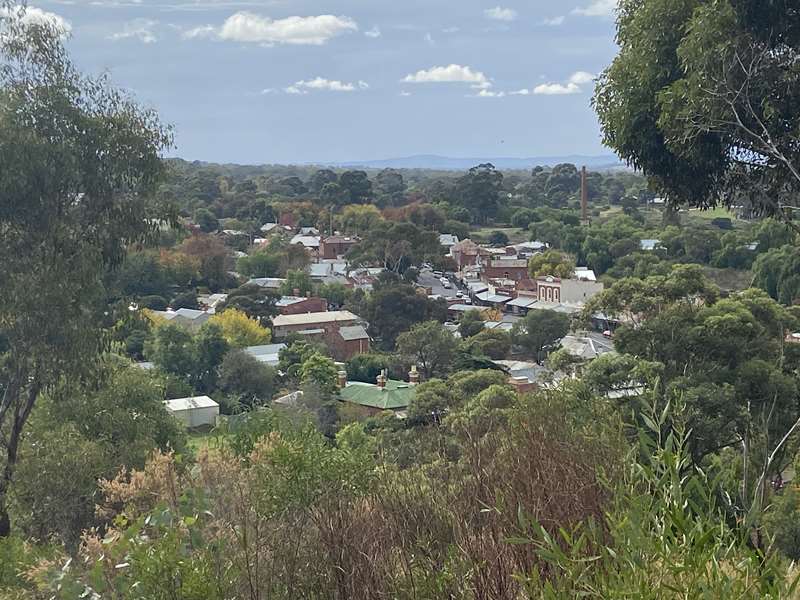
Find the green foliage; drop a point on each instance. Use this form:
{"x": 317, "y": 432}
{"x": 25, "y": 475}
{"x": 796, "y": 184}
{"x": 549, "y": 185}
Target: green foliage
{"x": 664, "y": 536}
{"x": 367, "y": 367}
{"x": 254, "y": 301}
{"x": 185, "y": 300}
{"x": 337, "y": 294}
{"x": 700, "y": 99}
{"x": 194, "y": 359}
{"x": 493, "y": 343}
{"x": 206, "y": 220}
{"x": 479, "y": 192}
{"x": 778, "y": 273}
{"x": 80, "y": 435}
{"x": 430, "y": 346}
{"x": 498, "y": 238}
{"x": 539, "y": 329}
{"x": 471, "y": 323}
{"x": 552, "y": 263}
{"x": 297, "y": 283}
{"x": 320, "y": 371}
{"x": 394, "y": 308}
{"x": 396, "y": 246}
{"x": 244, "y": 378}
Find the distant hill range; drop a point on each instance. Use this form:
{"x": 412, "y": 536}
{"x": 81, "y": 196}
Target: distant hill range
{"x": 447, "y": 163}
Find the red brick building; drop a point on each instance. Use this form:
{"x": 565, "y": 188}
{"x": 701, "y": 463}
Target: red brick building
{"x": 515, "y": 268}
{"x": 336, "y": 245}
{"x": 297, "y": 305}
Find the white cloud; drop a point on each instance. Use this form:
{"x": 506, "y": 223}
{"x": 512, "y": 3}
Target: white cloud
{"x": 450, "y": 74}
{"x": 31, "y": 15}
{"x": 451, "y": 30}
{"x": 522, "y": 92}
{"x": 581, "y": 77}
{"x": 373, "y": 33}
{"x": 253, "y": 28}
{"x": 405, "y": 94}
{"x": 322, "y": 84}
{"x": 429, "y": 39}
{"x": 597, "y": 8}
{"x": 500, "y": 14}
{"x": 571, "y": 86}
{"x": 141, "y": 29}
{"x": 490, "y": 94}
{"x": 204, "y": 31}
{"x": 554, "y": 21}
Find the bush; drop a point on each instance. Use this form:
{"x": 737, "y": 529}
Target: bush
{"x": 153, "y": 302}
{"x": 185, "y": 300}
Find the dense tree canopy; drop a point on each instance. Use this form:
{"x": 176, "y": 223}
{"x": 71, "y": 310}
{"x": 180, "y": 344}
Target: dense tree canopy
{"x": 80, "y": 165}
{"x": 703, "y": 99}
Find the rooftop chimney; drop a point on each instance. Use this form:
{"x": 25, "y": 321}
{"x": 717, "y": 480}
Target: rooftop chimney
{"x": 413, "y": 375}
{"x": 584, "y": 197}
{"x": 342, "y": 379}
{"x": 382, "y": 379}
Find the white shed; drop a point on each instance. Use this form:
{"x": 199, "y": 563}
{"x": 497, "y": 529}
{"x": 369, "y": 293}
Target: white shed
{"x": 194, "y": 411}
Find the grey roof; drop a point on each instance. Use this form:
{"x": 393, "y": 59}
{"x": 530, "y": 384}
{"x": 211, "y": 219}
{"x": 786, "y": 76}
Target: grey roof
{"x": 531, "y": 371}
{"x": 355, "y": 332}
{"x": 477, "y": 286}
{"x": 534, "y": 245}
{"x": 289, "y": 300}
{"x": 492, "y": 298}
{"x": 190, "y": 313}
{"x": 448, "y": 239}
{"x": 307, "y": 241}
{"x": 460, "y": 307}
{"x": 190, "y": 403}
{"x": 502, "y": 325}
{"x": 266, "y": 282}
{"x": 267, "y": 354}
{"x": 314, "y": 318}
{"x": 587, "y": 346}
{"x": 562, "y": 308}
{"x": 522, "y": 301}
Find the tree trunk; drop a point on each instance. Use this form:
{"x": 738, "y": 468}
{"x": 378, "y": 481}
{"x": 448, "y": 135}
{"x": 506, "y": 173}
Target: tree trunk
{"x": 17, "y": 417}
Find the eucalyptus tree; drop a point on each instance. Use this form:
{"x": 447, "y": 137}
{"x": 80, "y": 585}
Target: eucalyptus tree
{"x": 79, "y": 165}
{"x": 703, "y": 99}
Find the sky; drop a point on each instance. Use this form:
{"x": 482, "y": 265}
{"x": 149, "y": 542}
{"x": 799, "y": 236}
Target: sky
{"x": 299, "y": 81}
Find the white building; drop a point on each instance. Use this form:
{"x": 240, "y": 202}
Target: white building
{"x": 194, "y": 411}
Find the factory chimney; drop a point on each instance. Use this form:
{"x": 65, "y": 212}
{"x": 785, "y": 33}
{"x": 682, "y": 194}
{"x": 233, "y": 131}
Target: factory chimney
{"x": 584, "y": 197}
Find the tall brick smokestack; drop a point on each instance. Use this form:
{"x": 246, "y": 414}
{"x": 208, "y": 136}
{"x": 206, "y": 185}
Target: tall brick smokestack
{"x": 584, "y": 197}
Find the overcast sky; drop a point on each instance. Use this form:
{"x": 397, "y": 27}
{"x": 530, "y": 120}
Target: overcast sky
{"x": 334, "y": 80}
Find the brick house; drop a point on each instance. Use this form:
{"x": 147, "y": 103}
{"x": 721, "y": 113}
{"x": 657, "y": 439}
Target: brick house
{"x": 328, "y": 321}
{"x": 296, "y": 305}
{"x": 335, "y": 246}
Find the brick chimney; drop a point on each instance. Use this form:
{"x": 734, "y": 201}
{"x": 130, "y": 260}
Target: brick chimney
{"x": 382, "y": 379}
{"x": 584, "y": 197}
{"x": 296, "y": 292}
{"x": 342, "y": 379}
{"x": 413, "y": 375}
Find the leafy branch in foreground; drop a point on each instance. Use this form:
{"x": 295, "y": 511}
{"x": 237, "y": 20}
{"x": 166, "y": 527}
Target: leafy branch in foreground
{"x": 664, "y": 536}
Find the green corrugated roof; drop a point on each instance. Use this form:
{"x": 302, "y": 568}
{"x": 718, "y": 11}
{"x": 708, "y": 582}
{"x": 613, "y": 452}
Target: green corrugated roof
{"x": 397, "y": 395}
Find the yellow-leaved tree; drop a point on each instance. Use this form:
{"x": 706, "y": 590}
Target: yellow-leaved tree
{"x": 239, "y": 330}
